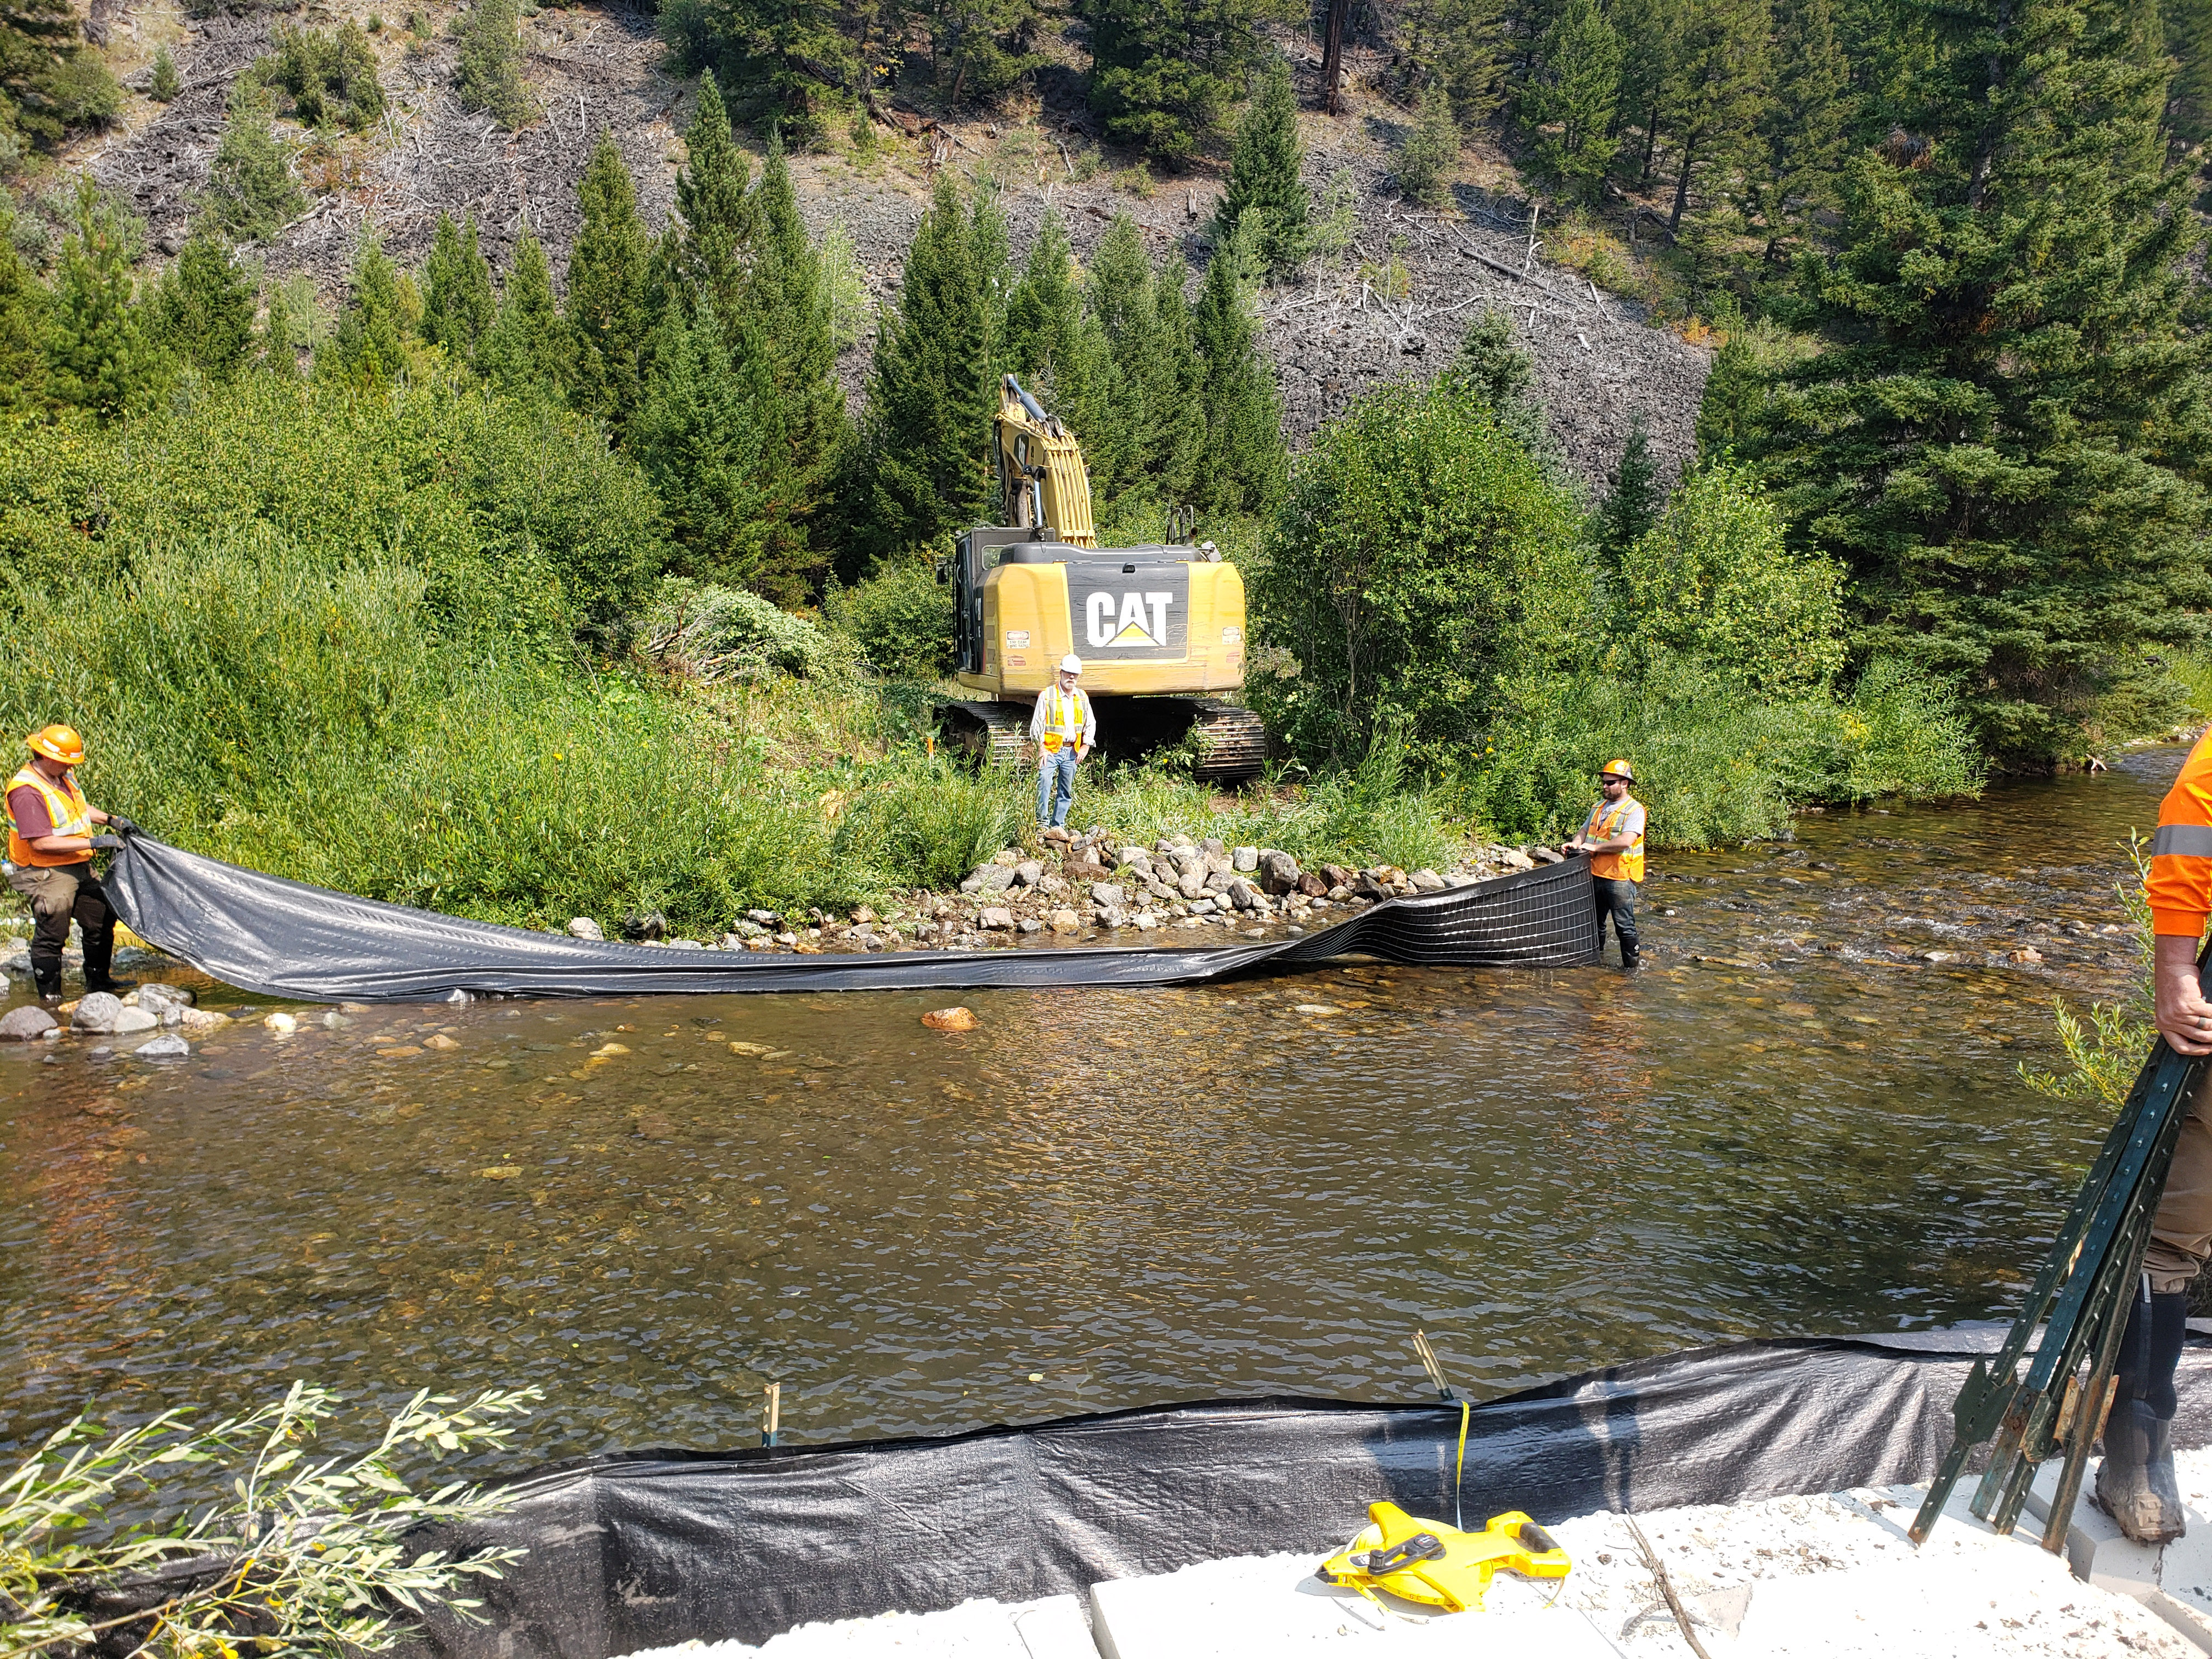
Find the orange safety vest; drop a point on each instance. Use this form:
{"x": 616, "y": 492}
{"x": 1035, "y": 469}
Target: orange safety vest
{"x": 1604, "y": 825}
{"x": 65, "y": 810}
{"x": 2180, "y": 886}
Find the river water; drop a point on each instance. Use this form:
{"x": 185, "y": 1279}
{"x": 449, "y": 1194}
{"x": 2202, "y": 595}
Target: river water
{"x": 1794, "y": 1123}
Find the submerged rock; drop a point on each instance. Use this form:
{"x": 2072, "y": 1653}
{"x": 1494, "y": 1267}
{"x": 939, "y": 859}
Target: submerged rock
{"x": 130, "y": 1020}
{"x": 171, "y": 1046}
{"x": 950, "y": 1019}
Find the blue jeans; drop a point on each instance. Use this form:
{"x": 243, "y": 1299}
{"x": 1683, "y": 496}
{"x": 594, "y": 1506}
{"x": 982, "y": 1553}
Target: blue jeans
{"x": 1056, "y": 788}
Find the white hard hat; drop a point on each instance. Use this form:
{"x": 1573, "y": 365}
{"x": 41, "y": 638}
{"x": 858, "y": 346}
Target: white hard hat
{"x": 1071, "y": 663}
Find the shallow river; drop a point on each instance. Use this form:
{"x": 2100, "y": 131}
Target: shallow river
{"x": 1794, "y": 1123}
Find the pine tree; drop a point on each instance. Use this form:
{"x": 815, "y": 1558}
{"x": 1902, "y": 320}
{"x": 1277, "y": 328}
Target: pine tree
{"x": 606, "y": 310}
{"x": 700, "y": 437}
{"x": 1632, "y": 507}
{"x": 457, "y": 308}
{"x": 204, "y": 309}
{"x": 1263, "y": 172}
{"x": 1243, "y": 464}
{"x": 714, "y": 207}
{"x": 1458, "y": 45}
{"x": 789, "y": 302}
{"x": 1802, "y": 133}
{"x": 1431, "y": 152}
{"x": 525, "y": 353}
{"x": 1117, "y": 289}
{"x": 1178, "y": 416}
{"x": 369, "y": 348}
{"x": 1650, "y": 34}
{"x": 164, "y": 84}
{"x": 931, "y": 400}
{"x": 1044, "y": 309}
{"x": 1162, "y": 70}
{"x": 488, "y": 70}
{"x": 1572, "y": 104}
{"x": 282, "y": 337}
{"x": 38, "y": 51}
{"x": 98, "y": 354}
{"x": 1500, "y": 373}
{"x": 792, "y": 49}
{"x": 250, "y": 192}
{"x": 2005, "y": 439}
{"x": 22, "y": 329}
{"x": 1716, "y": 93}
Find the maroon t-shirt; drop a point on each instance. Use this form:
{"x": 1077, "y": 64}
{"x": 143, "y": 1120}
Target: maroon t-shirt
{"x": 28, "y": 808}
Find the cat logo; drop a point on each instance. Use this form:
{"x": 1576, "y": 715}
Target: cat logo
{"x": 1139, "y": 619}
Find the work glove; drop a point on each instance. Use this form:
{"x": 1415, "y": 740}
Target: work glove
{"x": 121, "y": 825}
{"x": 107, "y": 844}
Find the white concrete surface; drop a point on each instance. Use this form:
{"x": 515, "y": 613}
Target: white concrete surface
{"x": 2174, "y": 1582}
{"x": 1053, "y": 1628}
{"x": 1266, "y": 1604}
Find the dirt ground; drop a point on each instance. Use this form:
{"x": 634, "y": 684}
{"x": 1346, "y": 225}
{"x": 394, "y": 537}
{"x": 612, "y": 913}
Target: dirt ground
{"x": 1394, "y": 302}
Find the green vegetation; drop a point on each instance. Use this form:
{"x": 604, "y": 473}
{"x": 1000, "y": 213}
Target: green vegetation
{"x": 328, "y": 76}
{"x": 318, "y": 1553}
{"x": 1264, "y": 187}
{"x": 251, "y": 190}
{"x": 488, "y": 71}
{"x": 163, "y": 84}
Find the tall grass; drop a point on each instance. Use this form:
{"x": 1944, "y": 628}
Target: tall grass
{"x": 314, "y": 722}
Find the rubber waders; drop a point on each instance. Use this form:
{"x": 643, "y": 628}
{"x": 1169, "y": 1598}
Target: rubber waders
{"x": 2135, "y": 1484}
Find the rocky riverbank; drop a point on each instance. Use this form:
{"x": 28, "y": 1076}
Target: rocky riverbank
{"x": 1091, "y": 887}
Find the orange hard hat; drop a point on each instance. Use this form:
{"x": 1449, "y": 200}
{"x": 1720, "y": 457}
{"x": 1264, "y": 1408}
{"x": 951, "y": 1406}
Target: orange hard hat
{"x": 58, "y": 743}
{"x": 1619, "y": 769}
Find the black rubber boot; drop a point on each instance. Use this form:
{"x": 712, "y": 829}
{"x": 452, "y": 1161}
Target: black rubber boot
{"x": 2135, "y": 1484}
{"x": 108, "y": 982}
{"x": 49, "y": 981}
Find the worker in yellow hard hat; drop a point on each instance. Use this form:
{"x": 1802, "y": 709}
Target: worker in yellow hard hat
{"x": 50, "y": 848}
{"x": 1612, "y": 836}
{"x": 1064, "y": 728}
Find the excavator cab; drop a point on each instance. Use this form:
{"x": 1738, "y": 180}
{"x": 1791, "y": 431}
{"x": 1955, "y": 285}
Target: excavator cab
{"x": 1160, "y": 628}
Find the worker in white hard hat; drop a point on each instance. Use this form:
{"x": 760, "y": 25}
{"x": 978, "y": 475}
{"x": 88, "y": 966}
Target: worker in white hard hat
{"x": 1064, "y": 729}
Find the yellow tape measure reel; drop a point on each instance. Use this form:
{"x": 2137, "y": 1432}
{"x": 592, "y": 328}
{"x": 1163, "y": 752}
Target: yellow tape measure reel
{"x": 1442, "y": 1566}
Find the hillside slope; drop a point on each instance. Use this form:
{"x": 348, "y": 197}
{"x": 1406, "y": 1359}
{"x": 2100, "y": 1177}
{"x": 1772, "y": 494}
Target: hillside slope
{"x": 1599, "y": 365}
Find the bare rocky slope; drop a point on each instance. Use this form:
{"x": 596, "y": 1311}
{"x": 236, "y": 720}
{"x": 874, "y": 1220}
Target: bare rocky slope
{"x": 1598, "y": 364}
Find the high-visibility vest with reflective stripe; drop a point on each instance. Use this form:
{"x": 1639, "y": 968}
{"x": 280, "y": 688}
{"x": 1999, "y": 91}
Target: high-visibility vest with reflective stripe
{"x": 1605, "y": 822}
{"x": 65, "y": 810}
{"x": 1064, "y": 714}
{"x": 2180, "y": 885}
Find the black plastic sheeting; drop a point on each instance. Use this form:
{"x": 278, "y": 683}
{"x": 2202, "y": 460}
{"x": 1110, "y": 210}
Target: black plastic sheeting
{"x": 287, "y": 940}
{"x": 648, "y": 1549}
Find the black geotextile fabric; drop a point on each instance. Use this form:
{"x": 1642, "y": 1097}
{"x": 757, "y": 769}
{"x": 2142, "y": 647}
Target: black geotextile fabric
{"x": 647, "y": 1549}
{"x": 284, "y": 939}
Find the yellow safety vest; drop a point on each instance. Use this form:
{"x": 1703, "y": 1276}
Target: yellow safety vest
{"x": 65, "y": 810}
{"x": 1604, "y": 825}
{"x": 1064, "y": 718}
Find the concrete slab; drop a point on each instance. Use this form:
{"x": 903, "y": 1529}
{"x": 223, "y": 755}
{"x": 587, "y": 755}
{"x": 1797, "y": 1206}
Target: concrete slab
{"x": 1263, "y": 1604}
{"x": 1052, "y": 1628}
{"x": 2175, "y": 1581}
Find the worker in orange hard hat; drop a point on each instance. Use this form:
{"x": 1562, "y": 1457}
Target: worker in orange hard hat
{"x": 50, "y": 848}
{"x": 1612, "y": 836}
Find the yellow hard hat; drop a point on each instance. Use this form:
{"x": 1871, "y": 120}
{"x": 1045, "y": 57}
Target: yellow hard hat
{"x": 1619, "y": 769}
{"x": 58, "y": 743}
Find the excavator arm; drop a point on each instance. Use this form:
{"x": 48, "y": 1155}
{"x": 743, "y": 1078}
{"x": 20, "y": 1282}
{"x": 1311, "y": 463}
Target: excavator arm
{"x": 1041, "y": 471}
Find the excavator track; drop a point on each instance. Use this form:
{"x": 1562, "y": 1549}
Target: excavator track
{"x": 1232, "y": 743}
{"x": 991, "y": 733}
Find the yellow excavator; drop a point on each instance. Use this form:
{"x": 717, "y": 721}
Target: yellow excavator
{"x": 1160, "y": 628}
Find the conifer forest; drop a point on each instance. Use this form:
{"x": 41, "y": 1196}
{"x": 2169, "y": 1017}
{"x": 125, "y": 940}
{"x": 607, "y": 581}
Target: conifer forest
{"x": 640, "y": 454}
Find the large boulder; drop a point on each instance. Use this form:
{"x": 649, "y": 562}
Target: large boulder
{"x": 1028, "y": 872}
{"x": 1428, "y": 881}
{"x": 988, "y": 879}
{"x": 157, "y": 995}
{"x": 98, "y": 1013}
{"x": 1192, "y": 882}
{"x": 1314, "y": 886}
{"x": 1245, "y": 861}
{"x": 1243, "y": 895}
{"x": 129, "y": 1021}
{"x": 1279, "y": 872}
{"x": 26, "y": 1024}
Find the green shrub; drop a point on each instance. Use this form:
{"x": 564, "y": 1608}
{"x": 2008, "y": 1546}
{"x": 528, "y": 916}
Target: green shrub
{"x": 928, "y": 827}
{"x": 329, "y": 76}
{"x": 1715, "y": 578}
{"x": 250, "y": 192}
{"x": 522, "y": 524}
{"x": 1430, "y": 151}
{"x": 165, "y": 84}
{"x": 1421, "y": 558}
{"x": 727, "y": 633}
{"x": 902, "y": 621}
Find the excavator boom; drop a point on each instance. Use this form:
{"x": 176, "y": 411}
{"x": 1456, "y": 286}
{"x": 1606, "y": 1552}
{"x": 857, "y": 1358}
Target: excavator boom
{"x": 1041, "y": 471}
